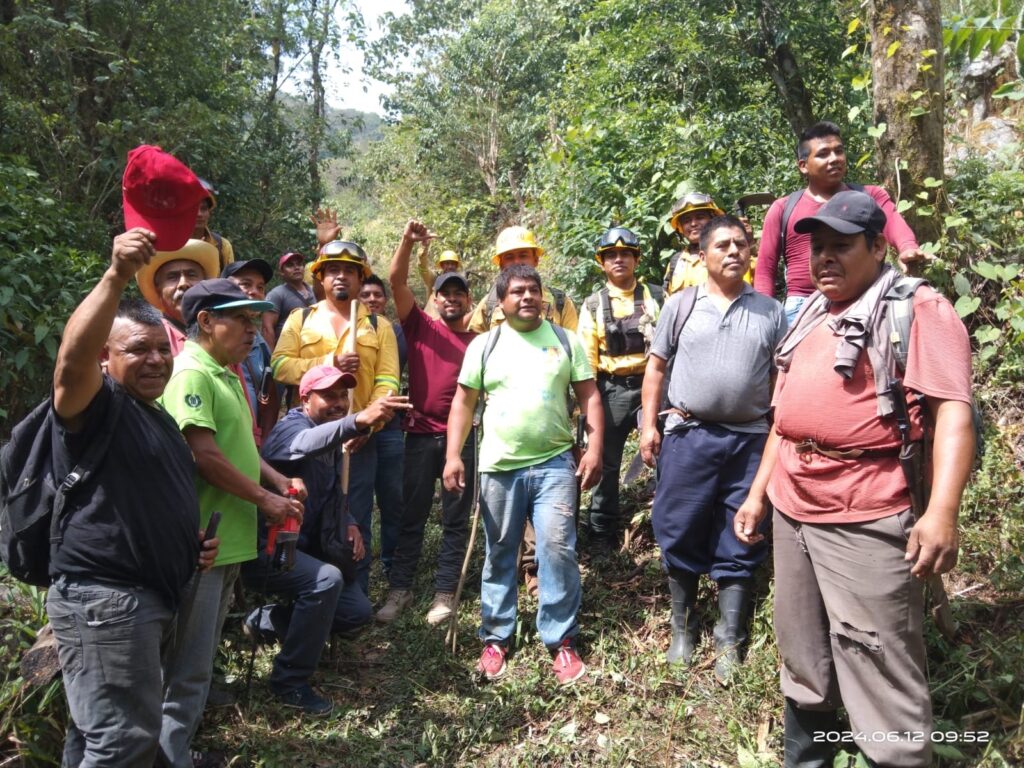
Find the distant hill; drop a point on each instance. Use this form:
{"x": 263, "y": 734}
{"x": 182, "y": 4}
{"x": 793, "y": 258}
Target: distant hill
{"x": 363, "y": 127}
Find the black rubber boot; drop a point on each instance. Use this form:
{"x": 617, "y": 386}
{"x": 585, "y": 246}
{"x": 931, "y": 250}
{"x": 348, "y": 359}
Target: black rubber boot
{"x": 685, "y": 622}
{"x": 734, "y": 600}
{"x": 800, "y": 727}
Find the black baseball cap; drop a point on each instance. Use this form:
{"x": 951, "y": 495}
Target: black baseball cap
{"x": 849, "y": 213}
{"x": 265, "y": 270}
{"x": 218, "y": 293}
{"x": 446, "y": 277}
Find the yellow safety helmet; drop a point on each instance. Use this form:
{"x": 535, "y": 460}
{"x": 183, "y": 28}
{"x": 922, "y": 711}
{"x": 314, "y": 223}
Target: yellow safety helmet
{"x": 447, "y": 256}
{"x": 513, "y": 239}
{"x": 690, "y": 202}
{"x": 341, "y": 250}
{"x": 211, "y": 193}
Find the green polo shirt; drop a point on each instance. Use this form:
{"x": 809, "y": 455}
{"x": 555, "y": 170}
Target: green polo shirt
{"x": 203, "y": 393}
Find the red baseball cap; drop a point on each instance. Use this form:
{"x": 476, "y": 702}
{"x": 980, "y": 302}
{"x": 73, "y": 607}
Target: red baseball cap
{"x": 160, "y": 193}
{"x": 323, "y": 377}
{"x": 286, "y": 257}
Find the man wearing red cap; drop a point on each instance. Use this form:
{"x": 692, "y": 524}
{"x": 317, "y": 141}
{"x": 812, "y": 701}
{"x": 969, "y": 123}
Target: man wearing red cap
{"x": 128, "y": 548}
{"x": 291, "y": 294}
{"x": 306, "y": 443}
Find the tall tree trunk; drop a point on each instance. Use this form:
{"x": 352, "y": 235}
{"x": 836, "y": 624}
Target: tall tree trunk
{"x": 783, "y": 69}
{"x": 907, "y": 61}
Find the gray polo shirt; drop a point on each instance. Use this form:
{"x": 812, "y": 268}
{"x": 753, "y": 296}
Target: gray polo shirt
{"x": 724, "y": 363}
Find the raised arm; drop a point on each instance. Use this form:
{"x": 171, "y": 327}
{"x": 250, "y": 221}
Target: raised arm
{"x": 405, "y": 300}
{"x": 77, "y": 376}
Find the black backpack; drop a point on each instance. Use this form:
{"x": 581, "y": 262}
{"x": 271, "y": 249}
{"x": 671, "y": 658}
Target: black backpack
{"x": 32, "y": 500}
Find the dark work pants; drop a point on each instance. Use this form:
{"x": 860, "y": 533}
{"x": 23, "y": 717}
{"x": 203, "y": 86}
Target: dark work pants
{"x": 388, "y": 489}
{"x": 321, "y": 603}
{"x": 424, "y": 465}
{"x": 620, "y": 404}
{"x": 704, "y": 475}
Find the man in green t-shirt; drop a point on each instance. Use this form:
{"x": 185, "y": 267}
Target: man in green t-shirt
{"x": 205, "y": 397}
{"x": 525, "y": 368}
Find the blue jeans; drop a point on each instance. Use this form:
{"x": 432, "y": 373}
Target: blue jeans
{"x": 388, "y": 487}
{"x": 545, "y": 493}
{"x": 792, "y": 307}
{"x": 362, "y": 478}
{"x": 704, "y": 475}
{"x": 189, "y": 665}
{"x": 321, "y": 603}
{"x": 109, "y": 640}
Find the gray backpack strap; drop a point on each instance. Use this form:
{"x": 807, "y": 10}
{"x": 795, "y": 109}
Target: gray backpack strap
{"x": 900, "y": 316}
{"x": 670, "y": 271}
{"x": 686, "y": 303}
{"x": 563, "y": 339}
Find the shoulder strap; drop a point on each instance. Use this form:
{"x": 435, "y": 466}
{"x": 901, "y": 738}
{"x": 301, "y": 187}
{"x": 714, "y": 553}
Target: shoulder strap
{"x": 787, "y": 213}
{"x": 492, "y": 342}
{"x": 657, "y": 293}
{"x": 88, "y": 463}
{"x": 305, "y": 313}
{"x": 671, "y": 270}
{"x": 638, "y": 298}
{"x": 687, "y": 300}
{"x": 490, "y": 302}
{"x": 590, "y": 303}
{"x": 606, "y": 309}
{"x": 900, "y": 316}
{"x": 559, "y": 295}
{"x": 563, "y": 339}
{"x": 855, "y": 186}
{"x": 373, "y": 321}
{"x": 219, "y": 242}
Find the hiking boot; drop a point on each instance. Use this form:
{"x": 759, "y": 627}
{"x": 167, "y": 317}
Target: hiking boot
{"x": 802, "y": 727}
{"x": 398, "y": 600}
{"x": 602, "y": 547}
{"x": 532, "y": 584}
{"x": 441, "y": 610}
{"x": 734, "y": 599}
{"x": 685, "y": 622}
{"x": 306, "y": 699}
{"x": 492, "y": 661}
{"x": 567, "y": 664}
{"x": 207, "y": 759}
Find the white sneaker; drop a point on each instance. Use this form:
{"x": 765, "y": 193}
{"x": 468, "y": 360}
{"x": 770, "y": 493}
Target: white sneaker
{"x": 441, "y": 610}
{"x": 398, "y": 600}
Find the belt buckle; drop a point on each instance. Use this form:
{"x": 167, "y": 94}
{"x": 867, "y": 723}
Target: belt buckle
{"x": 805, "y": 446}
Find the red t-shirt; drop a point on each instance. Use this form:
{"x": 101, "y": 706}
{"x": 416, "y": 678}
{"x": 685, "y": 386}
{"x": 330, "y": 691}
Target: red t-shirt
{"x": 798, "y": 247}
{"x": 435, "y": 359}
{"x": 813, "y": 401}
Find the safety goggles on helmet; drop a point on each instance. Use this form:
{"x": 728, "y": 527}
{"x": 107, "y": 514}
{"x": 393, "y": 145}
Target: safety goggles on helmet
{"x": 690, "y": 203}
{"x": 617, "y": 237}
{"x": 342, "y": 250}
{"x": 614, "y": 238}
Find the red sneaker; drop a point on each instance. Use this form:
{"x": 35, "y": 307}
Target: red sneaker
{"x": 492, "y": 661}
{"x": 568, "y": 666}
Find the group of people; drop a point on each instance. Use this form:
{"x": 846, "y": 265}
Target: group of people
{"x": 743, "y": 405}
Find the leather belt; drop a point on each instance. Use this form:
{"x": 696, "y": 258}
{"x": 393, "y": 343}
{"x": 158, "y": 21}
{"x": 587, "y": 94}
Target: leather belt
{"x": 807, "y": 445}
{"x": 633, "y": 381}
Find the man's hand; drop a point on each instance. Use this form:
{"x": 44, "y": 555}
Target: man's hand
{"x": 911, "y": 259}
{"x": 416, "y": 232}
{"x": 356, "y": 539}
{"x": 327, "y": 228}
{"x": 356, "y": 443}
{"x": 748, "y": 518}
{"x": 589, "y": 470}
{"x": 650, "y": 446}
{"x": 347, "y": 362}
{"x": 382, "y": 410}
{"x": 276, "y": 508}
{"x": 299, "y": 486}
{"x": 933, "y": 546}
{"x": 208, "y": 551}
{"x": 454, "y": 476}
{"x": 131, "y": 251}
